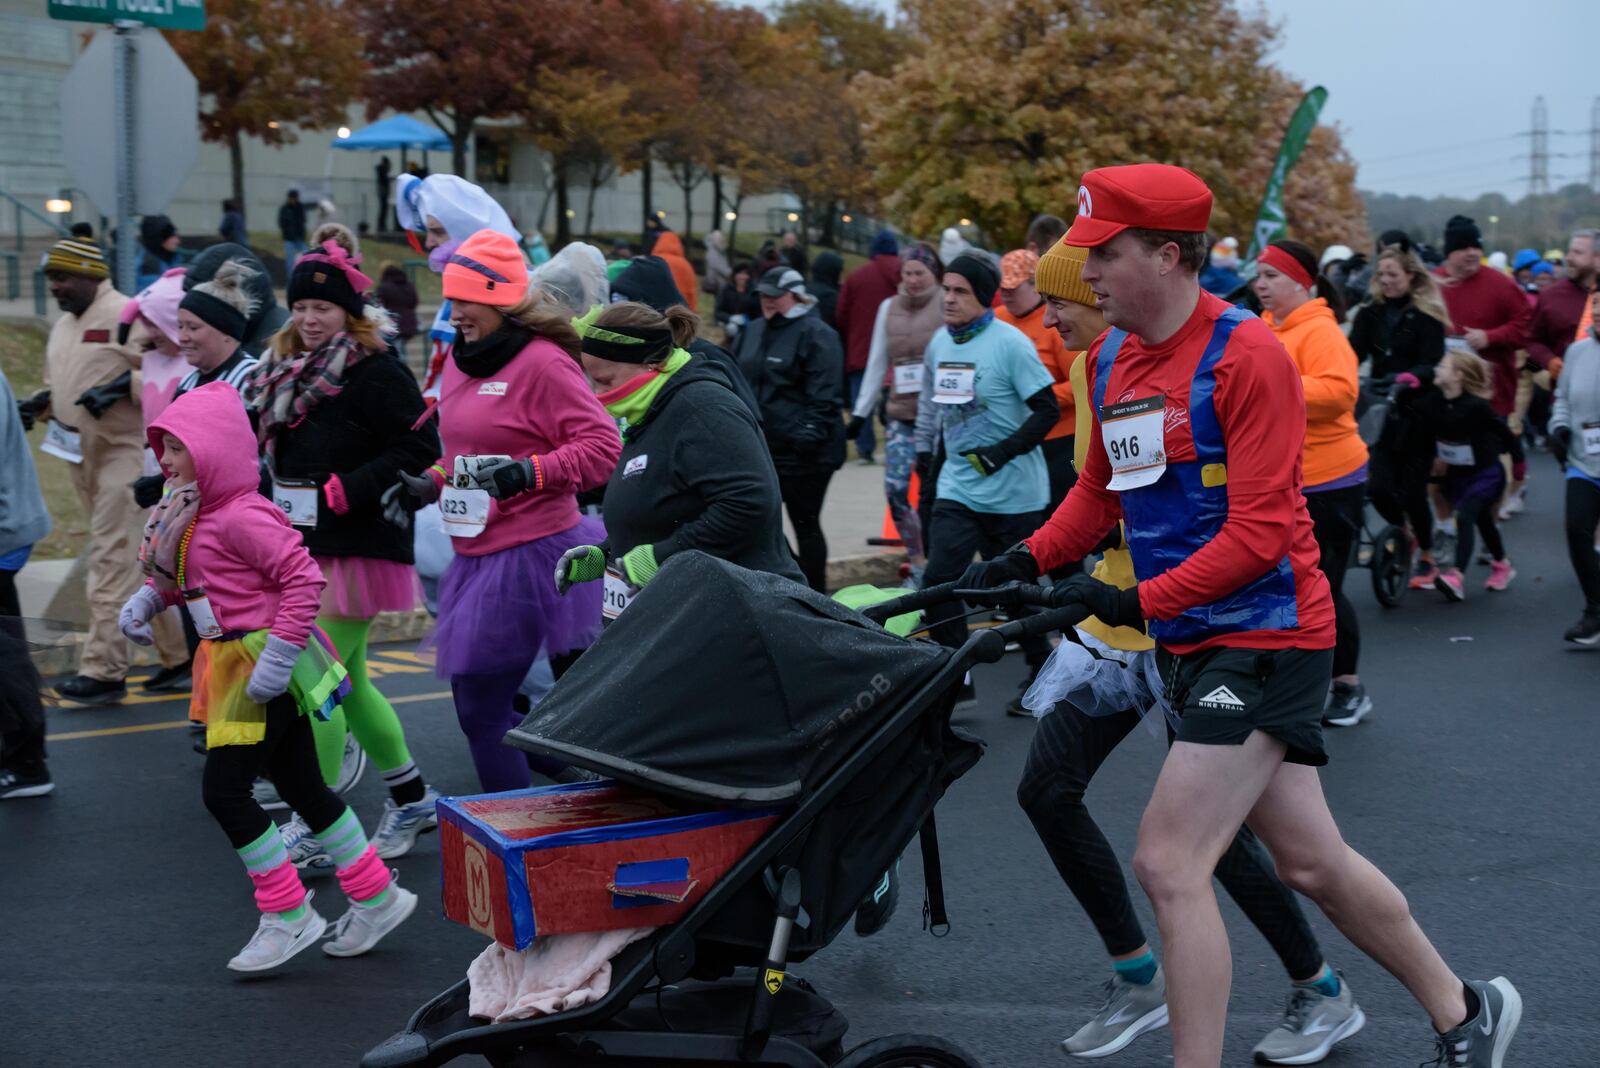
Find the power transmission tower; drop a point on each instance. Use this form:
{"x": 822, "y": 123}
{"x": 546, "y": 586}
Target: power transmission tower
{"x": 1594, "y": 146}
{"x": 1539, "y": 150}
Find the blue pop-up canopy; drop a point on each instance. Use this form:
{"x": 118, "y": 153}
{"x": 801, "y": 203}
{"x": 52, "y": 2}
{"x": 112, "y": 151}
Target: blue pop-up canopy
{"x": 397, "y": 131}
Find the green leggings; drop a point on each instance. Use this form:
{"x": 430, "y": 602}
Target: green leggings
{"x": 366, "y": 713}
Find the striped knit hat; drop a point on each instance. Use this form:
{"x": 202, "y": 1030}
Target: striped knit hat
{"x": 1060, "y": 274}
{"x": 77, "y": 255}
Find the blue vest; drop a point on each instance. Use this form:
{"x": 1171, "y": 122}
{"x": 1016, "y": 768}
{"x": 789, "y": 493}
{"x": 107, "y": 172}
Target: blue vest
{"x": 1169, "y": 520}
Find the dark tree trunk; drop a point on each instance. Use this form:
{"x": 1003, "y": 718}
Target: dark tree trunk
{"x": 688, "y": 214}
{"x": 716, "y": 200}
{"x": 829, "y": 215}
{"x": 236, "y": 162}
{"x": 458, "y": 147}
{"x": 563, "y": 214}
{"x": 645, "y": 182}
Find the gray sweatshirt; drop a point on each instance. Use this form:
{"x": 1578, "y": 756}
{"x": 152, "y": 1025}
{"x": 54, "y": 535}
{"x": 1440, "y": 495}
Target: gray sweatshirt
{"x": 23, "y": 518}
{"x": 1577, "y": 402}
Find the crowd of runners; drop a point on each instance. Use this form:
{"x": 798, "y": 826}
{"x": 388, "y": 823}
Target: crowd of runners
{"x": 1110, "y": 408}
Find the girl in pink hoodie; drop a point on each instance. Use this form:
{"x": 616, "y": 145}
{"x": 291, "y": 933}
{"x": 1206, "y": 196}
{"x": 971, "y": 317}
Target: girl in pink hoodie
{"x": 253, "y": 591}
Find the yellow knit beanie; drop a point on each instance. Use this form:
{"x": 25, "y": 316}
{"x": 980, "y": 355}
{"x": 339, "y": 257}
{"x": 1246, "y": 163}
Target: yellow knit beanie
{"x": 1060, "y": 274}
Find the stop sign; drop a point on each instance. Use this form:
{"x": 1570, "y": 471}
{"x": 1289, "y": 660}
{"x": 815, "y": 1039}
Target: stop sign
{"x": 166, "y": 127}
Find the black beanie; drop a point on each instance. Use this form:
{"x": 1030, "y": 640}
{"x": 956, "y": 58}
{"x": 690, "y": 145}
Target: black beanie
{"x": 1461, "y": 232}
{"x": 979, "y": 272}
{"x": 316, "y": 280}
{"x": 214, "y": 312}
{"x": 1395, "y": 237}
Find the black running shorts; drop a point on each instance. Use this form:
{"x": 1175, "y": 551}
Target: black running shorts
{"x": 1222, "y": 695}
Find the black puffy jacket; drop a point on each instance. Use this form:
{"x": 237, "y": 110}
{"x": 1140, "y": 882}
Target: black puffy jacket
{"x": 795, "y": 366}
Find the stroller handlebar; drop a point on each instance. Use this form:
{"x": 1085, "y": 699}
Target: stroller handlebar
{"x": 1009, "y": 595}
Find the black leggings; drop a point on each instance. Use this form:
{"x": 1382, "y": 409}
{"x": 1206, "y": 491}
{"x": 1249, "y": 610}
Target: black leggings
{"x": 802, "y": 496}
{"x": 1068, "y": 748}
{"x": 1477, "y": 510}
{"x": 1583, "y": 515}
{"x": 1336, "y": 519}
{"x": 21, "y": 712}
{"x": 286, "y": 755}
{"x": 1397, "y": 485}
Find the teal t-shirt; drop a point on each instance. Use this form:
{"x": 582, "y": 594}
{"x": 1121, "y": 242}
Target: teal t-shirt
{"x": 1005, "y": 371}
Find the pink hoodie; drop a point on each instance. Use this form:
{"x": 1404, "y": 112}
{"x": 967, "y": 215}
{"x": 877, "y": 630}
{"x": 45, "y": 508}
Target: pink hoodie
{"x": 254, "y": 567}
{"x": 540, "y": 404}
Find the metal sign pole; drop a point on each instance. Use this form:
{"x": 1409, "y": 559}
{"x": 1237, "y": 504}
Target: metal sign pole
{"x": 125, "y": 82}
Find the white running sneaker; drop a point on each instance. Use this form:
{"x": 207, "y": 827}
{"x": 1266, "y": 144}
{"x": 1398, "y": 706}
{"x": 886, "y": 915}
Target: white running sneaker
{"x": 276, "y": 940}
{"x": 1129, "y": 1011}
{"x": 362, "y": 927}
{"x": 350, "y": 767}
{"x": 401, "y": 824}
{"x": 305, "y": 851}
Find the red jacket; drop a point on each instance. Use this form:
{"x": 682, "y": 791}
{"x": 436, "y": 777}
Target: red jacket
{"x": 1262, "y": 410}
{"x": 864, "y": 289}
{"x": 1493, "y": 303}
{"x": 1555, "y": 320}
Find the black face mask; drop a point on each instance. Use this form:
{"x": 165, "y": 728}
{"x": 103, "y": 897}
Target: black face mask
{"x": 485, "y": 356}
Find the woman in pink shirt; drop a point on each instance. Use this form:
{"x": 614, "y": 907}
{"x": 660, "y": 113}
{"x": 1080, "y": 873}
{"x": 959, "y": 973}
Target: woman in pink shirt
{"x": 522, "y": 434}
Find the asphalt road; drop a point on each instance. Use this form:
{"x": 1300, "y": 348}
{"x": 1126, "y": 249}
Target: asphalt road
{"x": 1472, "y": 785}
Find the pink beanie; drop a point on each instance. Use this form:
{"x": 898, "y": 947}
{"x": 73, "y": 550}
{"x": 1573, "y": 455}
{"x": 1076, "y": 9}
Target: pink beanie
{"x": 488, "y": 268}
{"x": 157, "y": 303}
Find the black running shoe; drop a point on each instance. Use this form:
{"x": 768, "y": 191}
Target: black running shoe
{"x": 1585, "y": 631}
{"x": 873, "y": 914}
{"x": 92, "y": 693}
{"x": 171, "y": 680}
{"x": 14, "y": 784}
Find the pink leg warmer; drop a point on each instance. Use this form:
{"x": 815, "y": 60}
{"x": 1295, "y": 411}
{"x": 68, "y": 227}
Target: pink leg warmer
{"x": 366, "y": 878}
{"x": 279, "y": 890}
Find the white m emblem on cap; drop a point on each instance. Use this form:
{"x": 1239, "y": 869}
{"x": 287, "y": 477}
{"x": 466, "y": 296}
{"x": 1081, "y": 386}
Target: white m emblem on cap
{"x": 1085, "y": 202}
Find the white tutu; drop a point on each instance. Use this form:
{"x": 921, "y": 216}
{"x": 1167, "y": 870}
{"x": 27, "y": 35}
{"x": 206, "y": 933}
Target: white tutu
{"x": 1099, "y": 683}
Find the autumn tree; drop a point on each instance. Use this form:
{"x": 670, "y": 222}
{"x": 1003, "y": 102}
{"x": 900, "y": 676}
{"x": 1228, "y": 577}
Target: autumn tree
{"x": 259, "y": 74}
{"x": 999, "y": 109}
{"x": 583, "y": 119}
{"x": 457, "y": 61}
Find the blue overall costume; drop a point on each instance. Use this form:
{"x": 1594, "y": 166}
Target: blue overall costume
{"x": 1171, "y": 519}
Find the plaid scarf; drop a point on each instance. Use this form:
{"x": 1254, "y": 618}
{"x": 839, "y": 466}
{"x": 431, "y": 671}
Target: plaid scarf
{"x": 284, "y": 390}
{"x": 163, "y": 535}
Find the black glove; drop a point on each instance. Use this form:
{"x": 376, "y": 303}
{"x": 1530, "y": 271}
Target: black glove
{"x": 1561, "y": 443}
{"x": 99, "y": 399}
{"x": 419, "y": 490}
{"x": 1016, "y": 564}
{"x": 147, "y": 490}
{"x": 853, "y": 427}
{"x": 987, "y": 460}
{"x": 1113, "y": 607}
{"x": 924, "y": 466}
{"x": 30, "y": 409}
{"x": 507, "y": 478}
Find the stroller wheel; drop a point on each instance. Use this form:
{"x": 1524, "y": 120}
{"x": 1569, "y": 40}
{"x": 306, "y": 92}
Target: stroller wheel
{"x": 1391, "y": 565}
{"x": 908, "y": 1051}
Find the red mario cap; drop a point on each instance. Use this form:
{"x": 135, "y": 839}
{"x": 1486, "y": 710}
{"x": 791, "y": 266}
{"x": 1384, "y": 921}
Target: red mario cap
{"x": 1149, "y": 196}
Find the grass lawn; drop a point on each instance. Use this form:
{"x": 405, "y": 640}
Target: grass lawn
{"x": 22, "y": 359}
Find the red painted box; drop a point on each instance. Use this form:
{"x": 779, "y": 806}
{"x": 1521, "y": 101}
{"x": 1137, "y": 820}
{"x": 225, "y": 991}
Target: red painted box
{"x": 589, "y": 856}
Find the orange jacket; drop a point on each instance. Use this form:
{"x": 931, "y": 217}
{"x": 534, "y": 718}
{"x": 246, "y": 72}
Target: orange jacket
{"x": 1056, "y": 359}
{"x": 669, "y": 246}
{"x": 1328, "y": 375}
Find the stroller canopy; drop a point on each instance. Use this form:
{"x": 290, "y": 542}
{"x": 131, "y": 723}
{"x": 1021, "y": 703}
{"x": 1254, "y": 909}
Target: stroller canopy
{"x": 726, "y": 686}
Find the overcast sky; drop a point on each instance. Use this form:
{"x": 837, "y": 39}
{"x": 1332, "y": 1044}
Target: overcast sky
{"x": 1432, "y": 94}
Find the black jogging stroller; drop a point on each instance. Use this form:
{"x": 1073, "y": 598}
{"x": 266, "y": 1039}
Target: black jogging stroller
{"x": 730, "y": 688}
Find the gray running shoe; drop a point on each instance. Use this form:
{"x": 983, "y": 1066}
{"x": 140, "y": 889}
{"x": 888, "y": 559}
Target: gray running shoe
{"x": 1311, "y": 1025}
{"x": 1481, "y": 1041}
{"x": 1130, "y": 1010}
{"x": 1348, "y": 705}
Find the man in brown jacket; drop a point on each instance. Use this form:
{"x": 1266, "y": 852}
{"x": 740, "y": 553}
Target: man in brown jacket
{"x": 95, "y": 426}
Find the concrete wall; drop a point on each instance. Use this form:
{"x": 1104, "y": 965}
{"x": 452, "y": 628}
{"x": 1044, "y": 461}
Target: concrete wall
{"x": 36, "y": 51}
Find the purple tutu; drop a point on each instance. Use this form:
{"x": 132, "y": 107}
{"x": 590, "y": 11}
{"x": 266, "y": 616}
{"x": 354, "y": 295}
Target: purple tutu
{"x": 497, "y": 611}
{"x": 359, "y": 587}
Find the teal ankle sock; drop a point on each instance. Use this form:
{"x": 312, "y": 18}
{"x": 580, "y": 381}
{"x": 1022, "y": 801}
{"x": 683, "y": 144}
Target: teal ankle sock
{"x": 1140, "y": 970}
{"x": 1326, "y": 983}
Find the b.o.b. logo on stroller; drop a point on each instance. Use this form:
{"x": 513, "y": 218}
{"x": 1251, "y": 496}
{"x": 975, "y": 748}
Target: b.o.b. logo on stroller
{"x": 876, "y": 688}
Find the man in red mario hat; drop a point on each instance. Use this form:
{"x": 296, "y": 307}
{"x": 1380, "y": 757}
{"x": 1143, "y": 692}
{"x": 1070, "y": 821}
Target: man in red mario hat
{"x": 1200, "y": 424}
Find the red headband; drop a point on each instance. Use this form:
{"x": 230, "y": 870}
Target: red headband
{"x": 1284, "y": 263}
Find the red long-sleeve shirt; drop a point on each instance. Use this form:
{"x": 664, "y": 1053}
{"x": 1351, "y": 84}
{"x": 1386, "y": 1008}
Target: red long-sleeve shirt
{"x": 1489, "y": 301}
{"x": 1262, "y": 411}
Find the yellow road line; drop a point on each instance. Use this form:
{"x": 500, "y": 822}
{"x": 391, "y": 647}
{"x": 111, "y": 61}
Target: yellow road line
{"x": 139, "y": 728}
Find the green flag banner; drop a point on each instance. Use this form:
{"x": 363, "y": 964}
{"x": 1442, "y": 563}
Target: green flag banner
{"x": 1270, "y": 220}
